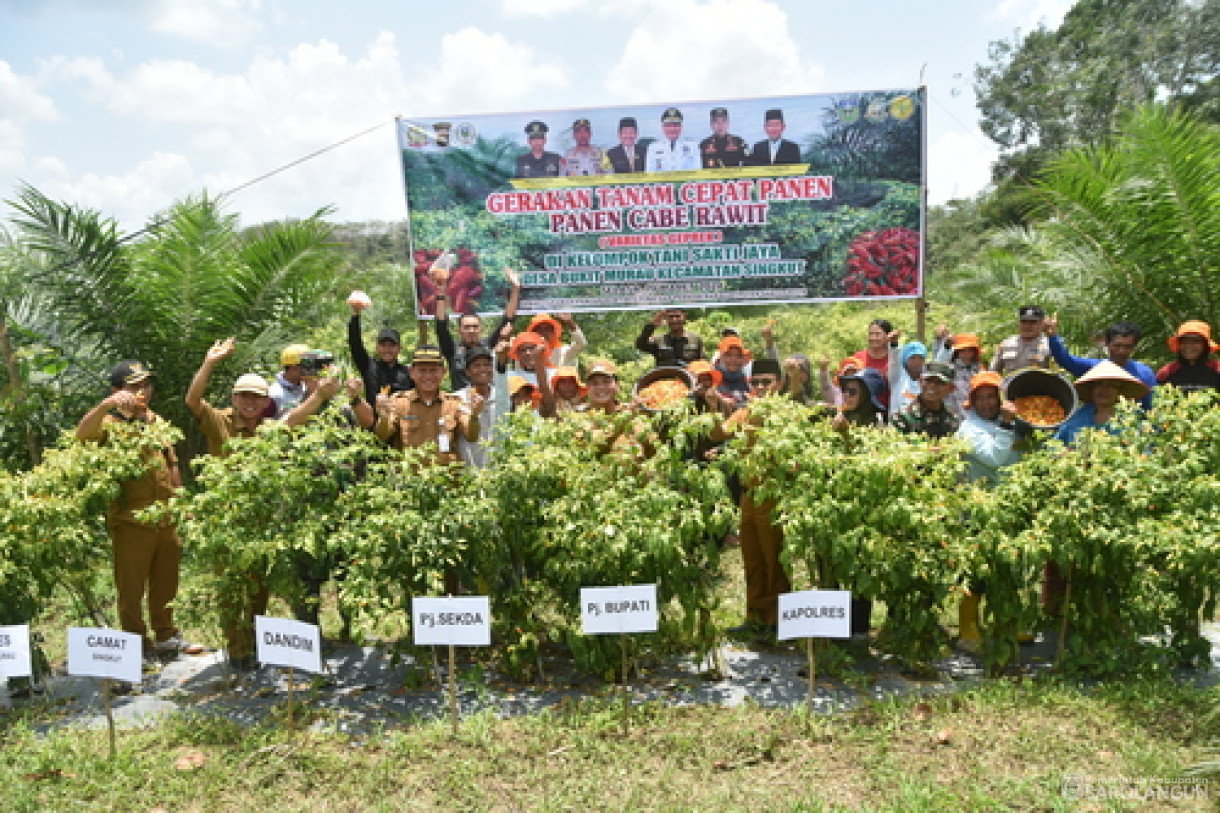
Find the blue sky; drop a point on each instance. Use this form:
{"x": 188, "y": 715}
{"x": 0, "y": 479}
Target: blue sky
{"x": 127, "y": 105}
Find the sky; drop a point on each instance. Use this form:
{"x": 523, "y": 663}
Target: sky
{"x": 125, "y": 106}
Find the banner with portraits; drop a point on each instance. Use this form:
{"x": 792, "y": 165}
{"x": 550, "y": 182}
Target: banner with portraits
{"x": 782, "y": 199}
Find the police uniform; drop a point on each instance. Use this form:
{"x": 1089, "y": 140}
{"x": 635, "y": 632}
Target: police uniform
{"x": 1014, "y": 353}
{"x": 547, "y": 165}
{"x": 583, "y": 161}
{"x": 665, "y": 155}
{"x": 717, "y": 151}
{"x": 586, "y": 160}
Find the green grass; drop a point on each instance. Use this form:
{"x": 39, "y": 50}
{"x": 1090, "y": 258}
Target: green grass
{"x": 1004, "y": 745}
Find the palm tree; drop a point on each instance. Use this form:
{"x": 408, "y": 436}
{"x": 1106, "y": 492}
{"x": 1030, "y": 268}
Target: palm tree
{"x": 165, "y": 293}
{"x": 1138, "y": 222}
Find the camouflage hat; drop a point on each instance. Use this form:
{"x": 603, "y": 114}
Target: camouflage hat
{"x": 938, "y": 369}
{"x": 719, "y": 113}
{"x": 576, "y": 125}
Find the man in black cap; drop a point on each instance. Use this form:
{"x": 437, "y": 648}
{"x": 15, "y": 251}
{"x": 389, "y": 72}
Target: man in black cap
{"x": 628, "y": 156}
{"x": 672, "y": 151}
{"x": 775, "y": 149}
{"x": 381, "y": 372}
{"x": 1028, "y": 348}
{"x": 146, "y": 555}
{"x": 722, "y": 149}
{"x": 538, "y": 163}
{"x": 584, "y": 158}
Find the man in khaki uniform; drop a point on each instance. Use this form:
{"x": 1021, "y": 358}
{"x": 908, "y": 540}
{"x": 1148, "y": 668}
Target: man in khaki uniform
{"x": 250, "y": 400}
{"x": 146, "y": 556}
{"x": 426, "y": 415}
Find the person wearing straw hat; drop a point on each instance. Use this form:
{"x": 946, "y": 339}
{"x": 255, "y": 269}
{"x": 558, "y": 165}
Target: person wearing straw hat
{"x": 1193, "y": 370}
{"x": 1099, "y": 390}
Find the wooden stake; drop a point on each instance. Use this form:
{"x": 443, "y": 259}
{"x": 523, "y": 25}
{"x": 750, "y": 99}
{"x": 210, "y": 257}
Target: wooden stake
{"x": 813, "y": 671}
{"x": 291, "y": 696}
{"x": 453, "y": 706}
{"x": 106, "y": 682}
{"x": 626, "y": 691}
{"x": 1063, "y": 623}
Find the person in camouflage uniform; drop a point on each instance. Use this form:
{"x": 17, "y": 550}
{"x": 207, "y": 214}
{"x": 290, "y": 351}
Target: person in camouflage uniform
{"x": 928, "y": 414}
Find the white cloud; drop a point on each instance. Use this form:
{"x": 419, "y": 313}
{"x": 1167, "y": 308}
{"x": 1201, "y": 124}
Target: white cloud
{"x": 682, "y": 47}
{"x": 480, "y": 71}
{"x": 1028, "y": 14}
{"x": 20, "y": 99}
{"x": 538, "y": 8}
{"x": 220, "y": 23}
{"x": 22, "y": 106}
{"x": 959, "y": 166}
{"x": 133, "y": 197}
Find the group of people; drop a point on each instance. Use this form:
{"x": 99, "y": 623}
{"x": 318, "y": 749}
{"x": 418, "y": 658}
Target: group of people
{"x": 955, "y": 392}
{"x": 669, "y": 152}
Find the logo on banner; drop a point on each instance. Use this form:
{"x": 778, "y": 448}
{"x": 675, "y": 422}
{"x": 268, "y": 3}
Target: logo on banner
{"x": 902, "y": 107}
{"x": 876, "y": 111}
{"x": 465, "y": 134}
{"x": 848, "y": 111}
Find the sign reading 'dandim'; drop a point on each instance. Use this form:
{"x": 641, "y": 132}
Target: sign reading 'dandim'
{"x": 15, "y": 651}
{"x": 815, "y": 614}
{"x": 608, "y": 610}
{"x": 464, "y": 621}
{"x": 105, "y": 653}
{"x": 282, "y": 642}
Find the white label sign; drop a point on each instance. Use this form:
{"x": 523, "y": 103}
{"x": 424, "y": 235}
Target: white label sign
{"x": 608, "y": 610}
{"x": 15, "y": 651}
{"x": 464, "y": 621}
{"x": 815, "y": 614}
{"x": 105, "y": 653}
{"x": 283, "y": 642}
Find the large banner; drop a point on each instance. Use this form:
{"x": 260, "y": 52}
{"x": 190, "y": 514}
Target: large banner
{"x": 782, "y": 199}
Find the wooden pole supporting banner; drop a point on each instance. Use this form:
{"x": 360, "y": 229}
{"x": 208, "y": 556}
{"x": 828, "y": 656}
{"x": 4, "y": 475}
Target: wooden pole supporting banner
{"x": 453, "y": 704}
{"x": 106, "y": 683}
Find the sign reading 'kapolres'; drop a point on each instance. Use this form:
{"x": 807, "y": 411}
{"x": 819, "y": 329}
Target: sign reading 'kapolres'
{"x": 800, "y": 198}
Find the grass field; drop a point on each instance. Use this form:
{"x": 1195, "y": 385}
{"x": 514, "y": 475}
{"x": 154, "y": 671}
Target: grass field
{"x": 1006, "y": 745}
